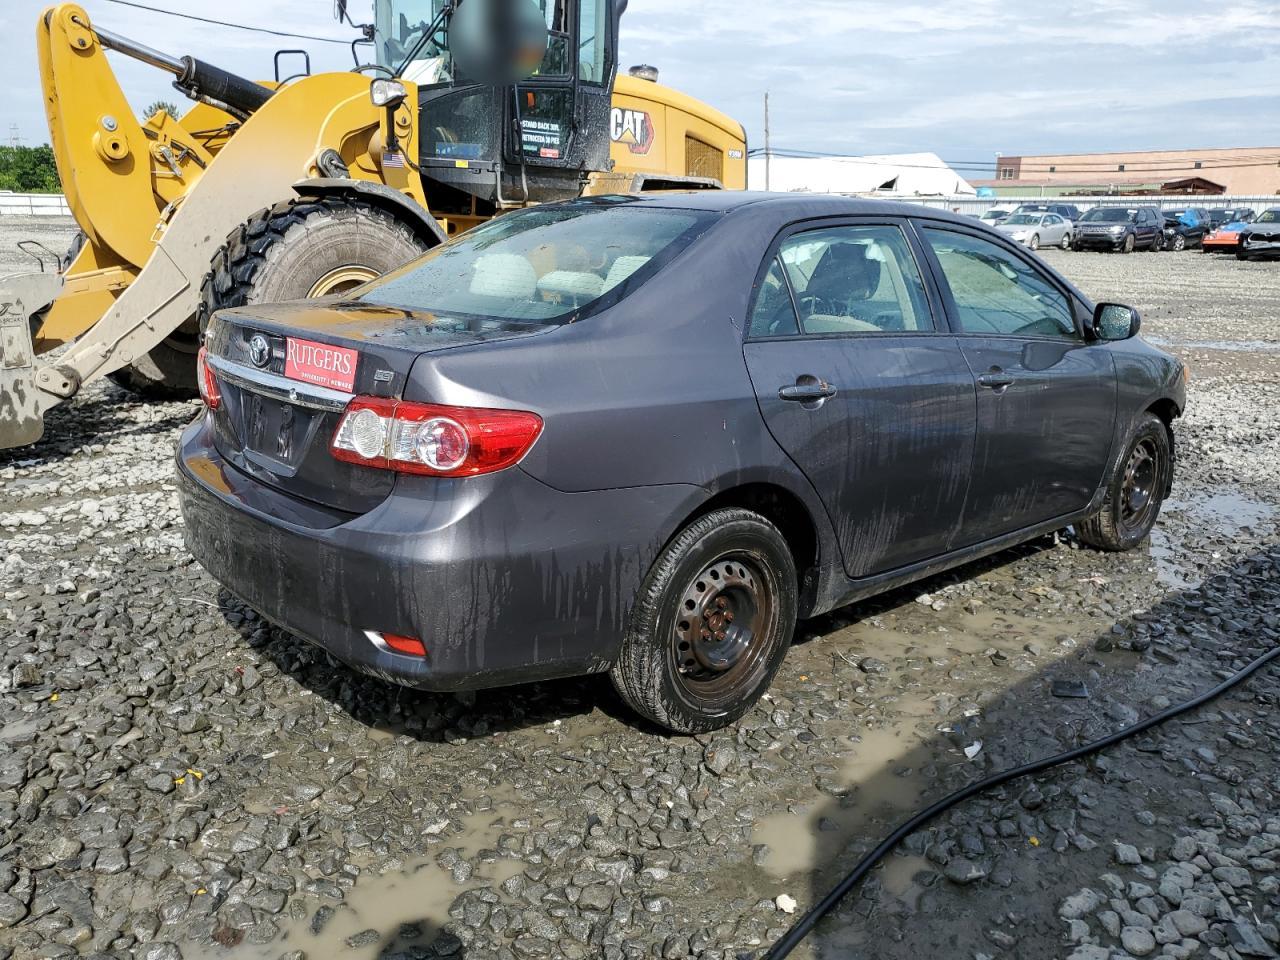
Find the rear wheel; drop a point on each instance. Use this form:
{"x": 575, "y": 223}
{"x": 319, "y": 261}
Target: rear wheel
{"x": 711, "y": 625}
{"x": 1135, "y": 490}
{"x": 1066, "y": 241}
{"x": 168, "y": 372}
{"x": 306, "y": 247}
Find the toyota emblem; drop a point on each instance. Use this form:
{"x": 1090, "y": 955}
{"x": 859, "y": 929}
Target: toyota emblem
{"x": 260, "y": 350}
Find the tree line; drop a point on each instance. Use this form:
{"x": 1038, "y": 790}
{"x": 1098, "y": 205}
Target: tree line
{"x": 28, "y": 170}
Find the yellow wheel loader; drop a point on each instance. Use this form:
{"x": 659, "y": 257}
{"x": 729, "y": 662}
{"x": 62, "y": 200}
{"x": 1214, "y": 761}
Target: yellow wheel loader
{"x": 309, "y": 186}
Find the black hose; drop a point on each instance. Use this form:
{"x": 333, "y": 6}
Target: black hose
{"x": 804, "y": 926}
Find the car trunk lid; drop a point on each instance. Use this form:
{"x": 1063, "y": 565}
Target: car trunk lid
{"x": 287, "y": 371}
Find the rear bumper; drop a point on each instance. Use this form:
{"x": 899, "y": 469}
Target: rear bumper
{"x": 503, "y": 578}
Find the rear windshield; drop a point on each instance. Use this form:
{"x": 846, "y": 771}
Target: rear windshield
{"x": 1110, "y": 215}
{"x": 551, "y": 264}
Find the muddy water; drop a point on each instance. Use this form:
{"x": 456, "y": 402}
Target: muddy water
{"x": 1228, "y": 513}
{"x": 396, "y": 909}
{"x": 880, "y": 770}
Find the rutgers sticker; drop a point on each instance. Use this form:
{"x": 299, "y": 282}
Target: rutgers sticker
{"x": 632, "y": 127}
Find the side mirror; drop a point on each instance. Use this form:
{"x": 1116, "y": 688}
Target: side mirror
{"x": 1115, "y": 321}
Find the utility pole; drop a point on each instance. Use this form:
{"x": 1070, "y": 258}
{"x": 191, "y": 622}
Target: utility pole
{"x": 15, "y": 139}
{"x": 766, "y": 140}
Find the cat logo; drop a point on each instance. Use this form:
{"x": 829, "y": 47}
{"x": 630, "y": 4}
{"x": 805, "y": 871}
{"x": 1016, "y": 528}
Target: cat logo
{"x": 632, "y": 127}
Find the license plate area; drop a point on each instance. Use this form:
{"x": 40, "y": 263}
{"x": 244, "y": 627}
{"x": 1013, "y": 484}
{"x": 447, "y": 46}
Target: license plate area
{"x": 276, "y": 434}
{"x": 321, "y": 364}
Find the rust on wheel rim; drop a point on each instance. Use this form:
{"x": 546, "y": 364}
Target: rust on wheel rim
{"x": 722, "y": 626}
{"x": 1138, "y": 499}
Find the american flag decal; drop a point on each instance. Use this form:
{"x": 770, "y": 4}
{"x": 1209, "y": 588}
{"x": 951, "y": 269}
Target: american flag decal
{"x": 390, "y": 159}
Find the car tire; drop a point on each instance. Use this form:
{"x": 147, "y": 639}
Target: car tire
{"x": 711, "y": 625}
{"x": 1179, "y": 243}
{"x": 1127, "y": 245}
{"x": 1034, "y": 242}
{"x": 1241, "y": 255}
{"x": 1066, "y": 242}
{"x": 1157, "y": 243}
{"x": 1135, "y": 489}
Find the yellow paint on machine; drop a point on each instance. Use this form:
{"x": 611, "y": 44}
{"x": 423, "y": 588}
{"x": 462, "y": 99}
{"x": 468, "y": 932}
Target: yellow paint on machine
{"x": 651, "y": 126}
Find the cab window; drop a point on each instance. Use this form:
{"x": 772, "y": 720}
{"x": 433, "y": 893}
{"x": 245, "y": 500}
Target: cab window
{"x": 593, "y": 32}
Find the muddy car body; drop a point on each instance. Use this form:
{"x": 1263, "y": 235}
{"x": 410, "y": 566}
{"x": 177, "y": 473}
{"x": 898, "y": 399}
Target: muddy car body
{"x": 795, "y": 403}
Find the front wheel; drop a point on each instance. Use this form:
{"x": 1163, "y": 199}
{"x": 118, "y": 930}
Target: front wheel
{"x": 1178, "y": 243}
{"x": 1127, "y": 246}
{"x": 1034, "y": 242}
{"x": 1066, "y": 241}
{"x": 711, "y": 625}
{"x": 1135, "y": 489}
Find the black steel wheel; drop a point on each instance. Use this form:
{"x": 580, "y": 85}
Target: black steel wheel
{"x": 1136, "y": 488}
{"x": 711, "y": 625}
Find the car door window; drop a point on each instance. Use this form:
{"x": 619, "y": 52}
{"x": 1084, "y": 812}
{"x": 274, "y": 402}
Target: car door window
{"x": 855, "y": 279}
{"x": 774, "y": 313}
{"x": 998, "y": 293}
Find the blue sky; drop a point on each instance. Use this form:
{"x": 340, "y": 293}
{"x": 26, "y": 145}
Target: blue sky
{"x": 963, "y": 80}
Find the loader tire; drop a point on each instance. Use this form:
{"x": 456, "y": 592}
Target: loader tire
{"x": 306, "y": 247}
{"x": 168, "y": 372}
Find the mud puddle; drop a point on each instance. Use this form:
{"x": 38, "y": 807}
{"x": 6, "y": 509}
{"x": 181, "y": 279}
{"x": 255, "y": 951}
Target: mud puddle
{"x": 395, "y": 910}
{"x": 1227, "y": 513}
{"x": 888, "y": 757}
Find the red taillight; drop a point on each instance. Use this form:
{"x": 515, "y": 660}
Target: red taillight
{"x": 433, "y": 439}
{"x": 206, "y": 382}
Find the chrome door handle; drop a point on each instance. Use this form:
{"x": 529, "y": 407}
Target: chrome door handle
{"x": 807, "y": 392}
{"x": 995, "y": 381}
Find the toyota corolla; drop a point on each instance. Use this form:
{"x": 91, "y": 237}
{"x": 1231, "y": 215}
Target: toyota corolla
{"x": 643, "y": 435}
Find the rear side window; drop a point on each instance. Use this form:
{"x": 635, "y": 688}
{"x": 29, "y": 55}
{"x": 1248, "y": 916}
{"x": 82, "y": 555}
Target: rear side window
{"x": 997, "y": 293}
{"x": 774, "y": 314}
{"x": 843, "y": 280}
{"x": 551, "y": 264}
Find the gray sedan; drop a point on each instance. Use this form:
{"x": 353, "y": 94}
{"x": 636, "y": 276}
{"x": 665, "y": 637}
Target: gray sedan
{"x": 1037, "y": 230}
{"x": 643, "y": 435}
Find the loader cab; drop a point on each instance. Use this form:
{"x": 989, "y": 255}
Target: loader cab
{"x": 486, "y": 146}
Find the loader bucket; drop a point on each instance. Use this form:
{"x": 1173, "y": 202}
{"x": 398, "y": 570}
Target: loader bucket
{"x": 21, "y": 419}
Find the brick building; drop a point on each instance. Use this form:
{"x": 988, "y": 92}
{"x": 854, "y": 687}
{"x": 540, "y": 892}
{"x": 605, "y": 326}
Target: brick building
{"x": 1243, "y": 171}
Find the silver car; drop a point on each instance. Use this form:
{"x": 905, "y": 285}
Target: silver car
{"x": 1037, "y": 229}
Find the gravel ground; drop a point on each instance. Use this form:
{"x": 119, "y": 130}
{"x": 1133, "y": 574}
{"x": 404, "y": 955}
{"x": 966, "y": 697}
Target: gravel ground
{"x": 180, "y": 780}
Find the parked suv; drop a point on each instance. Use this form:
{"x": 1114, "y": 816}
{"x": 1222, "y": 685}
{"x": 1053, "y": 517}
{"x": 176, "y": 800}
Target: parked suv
{"x": 1185, "y": 228}
{"x": 1119, "y": 228}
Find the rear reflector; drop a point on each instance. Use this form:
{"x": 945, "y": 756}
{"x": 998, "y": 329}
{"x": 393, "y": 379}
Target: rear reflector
{"x": 409, "y": 646}
{"x": 206, "y": 382}
{"x": 433, "y": 439}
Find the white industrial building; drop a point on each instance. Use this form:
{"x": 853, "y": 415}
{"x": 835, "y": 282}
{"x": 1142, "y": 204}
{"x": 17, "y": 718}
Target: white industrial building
{"x": 897, "y": 175}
